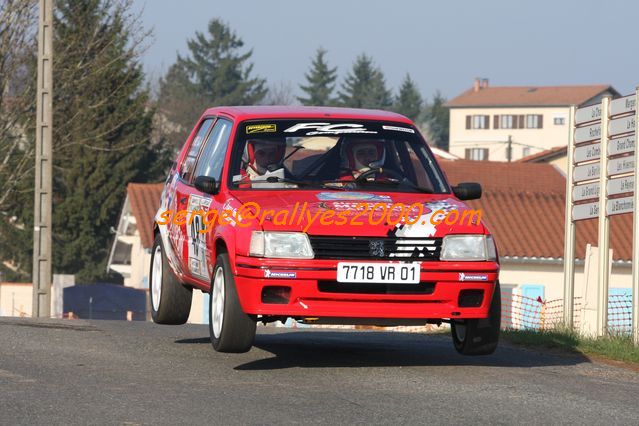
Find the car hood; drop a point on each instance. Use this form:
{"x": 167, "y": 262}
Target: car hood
{"x": 302, "y": 211}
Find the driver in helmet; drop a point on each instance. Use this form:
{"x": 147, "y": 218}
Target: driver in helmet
{"x": 360, "y": 156}
{"x": 262, "y": 156}
{"x": 261, "y": 159}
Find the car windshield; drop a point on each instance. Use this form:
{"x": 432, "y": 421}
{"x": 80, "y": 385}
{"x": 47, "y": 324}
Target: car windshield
{"x": 352, "y": 155}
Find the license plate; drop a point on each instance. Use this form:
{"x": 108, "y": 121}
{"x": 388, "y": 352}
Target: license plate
{"x": 383, "y": 273}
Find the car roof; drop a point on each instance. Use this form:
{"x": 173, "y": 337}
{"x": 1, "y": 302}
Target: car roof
{"x": 269, "y": 111}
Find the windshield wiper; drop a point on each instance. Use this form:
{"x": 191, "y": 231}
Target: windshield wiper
{"x": 397, "y": 183}
{"x": 305, "y": 183}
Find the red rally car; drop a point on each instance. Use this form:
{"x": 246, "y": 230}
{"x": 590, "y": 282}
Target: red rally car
{"x": 322, "y": 215}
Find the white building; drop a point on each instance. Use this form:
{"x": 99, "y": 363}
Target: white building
{"x": 509, "y": 123}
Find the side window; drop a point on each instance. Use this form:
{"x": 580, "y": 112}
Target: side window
{"x": 189, "y": 162}
{"x": 211, "y": 161}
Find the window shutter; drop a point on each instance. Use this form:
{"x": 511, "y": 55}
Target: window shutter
{"x": 467, "y": 153}
{"x": 485, "y": 154}
{"x": 487, "y": 121}
{"x": 540, "y": 122}
{"x": 468, "y": 118}
{"x": 495, "y": 122}
{"x": 521, "y": 122}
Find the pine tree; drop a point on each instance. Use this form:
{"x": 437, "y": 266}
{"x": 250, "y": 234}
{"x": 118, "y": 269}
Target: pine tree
{"x": 409, "y": 102}
{"x": 320, "y": 82}
{"x": 365, "y": 86}
{"x": 214, "y": 73}
{"x": 437, "y": 119}
{"x": 102, "y": 130}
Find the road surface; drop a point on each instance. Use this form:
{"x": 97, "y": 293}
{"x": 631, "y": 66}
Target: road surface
{"x": 103, "y": 372}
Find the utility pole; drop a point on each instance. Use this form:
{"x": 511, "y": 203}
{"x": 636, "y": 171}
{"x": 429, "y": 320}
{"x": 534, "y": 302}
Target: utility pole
{"x": 509, "y": 149}
{"x": 43, "y": 169}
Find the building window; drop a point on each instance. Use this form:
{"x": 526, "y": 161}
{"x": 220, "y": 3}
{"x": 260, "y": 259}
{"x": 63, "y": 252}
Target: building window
{"x": 477, "y": 154}
{"x": 477, "y": 121}
{"x": 505, "y": 122}
{"x": 559, "y": 121}
{"x": 525, "y": 152}
{"x": 534, "y": 121}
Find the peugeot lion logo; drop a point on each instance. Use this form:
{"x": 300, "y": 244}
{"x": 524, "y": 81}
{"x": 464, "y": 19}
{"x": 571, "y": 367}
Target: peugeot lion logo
{"x": 376, "y": 248}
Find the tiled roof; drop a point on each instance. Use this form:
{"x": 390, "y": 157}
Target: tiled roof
{"x": 548, "y": 154}
{"x": 523, "y": 205}
{"x": 145, "y": 201}
{"x": 497, "y": 175}
{"x": 529, "y": 96}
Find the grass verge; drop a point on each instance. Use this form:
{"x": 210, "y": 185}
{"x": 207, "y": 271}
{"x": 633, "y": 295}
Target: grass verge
{"x": 619, "y": 348}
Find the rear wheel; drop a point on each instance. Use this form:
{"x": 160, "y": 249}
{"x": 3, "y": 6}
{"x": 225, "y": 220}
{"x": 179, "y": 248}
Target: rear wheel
{"x": 170, "y": 299}
{"x": 479, "y": 336}
{"x": 231, "y": 329}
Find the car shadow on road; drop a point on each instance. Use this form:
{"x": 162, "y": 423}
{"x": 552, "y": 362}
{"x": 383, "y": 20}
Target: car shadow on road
{"x": 328, "y": 349}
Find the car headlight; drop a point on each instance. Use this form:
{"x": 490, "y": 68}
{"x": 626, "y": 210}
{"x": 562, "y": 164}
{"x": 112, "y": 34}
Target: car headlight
{"x": 281, "y": 245}
{"x": 468, "y": 247}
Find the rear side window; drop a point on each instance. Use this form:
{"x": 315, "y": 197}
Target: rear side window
{"x": 211, "y": 161}
{"x": 189, "y": 162}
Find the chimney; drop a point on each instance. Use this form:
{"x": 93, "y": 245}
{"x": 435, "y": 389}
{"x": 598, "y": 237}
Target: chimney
{"x": 476, "y": 85}
{"x": 484, "y": 83}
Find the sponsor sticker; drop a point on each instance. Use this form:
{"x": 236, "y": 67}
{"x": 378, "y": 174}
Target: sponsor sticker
{"x": 398, "y": 129}
{"x": 261, "y": 128}
{"x": 313, "y": 129}
{"x": 274, "y": 274}
{"x": 355, "y": 196}
{"x": 472, "y": 277}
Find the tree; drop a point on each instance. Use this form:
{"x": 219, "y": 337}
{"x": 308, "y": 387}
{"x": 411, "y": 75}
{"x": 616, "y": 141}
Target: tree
{"x": 437, "y": 120}
{"x": 102, "y": 129}
{"x": 280, "y": 93}
{"x": 320, "y": 82}
{"x": 409, "y": 102}
{"x": 18, "y": 19}
{"x": 101, "y": 139}
{"x": 215, "y": 72}
{"x": 365, "y": 86}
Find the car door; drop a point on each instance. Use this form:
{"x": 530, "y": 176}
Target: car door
{"x": 211, "y": 164}
{"x": 177, "y": 226}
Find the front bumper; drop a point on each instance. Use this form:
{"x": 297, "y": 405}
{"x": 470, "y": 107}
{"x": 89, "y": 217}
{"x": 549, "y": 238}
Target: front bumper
{"x": 307, "y": 299}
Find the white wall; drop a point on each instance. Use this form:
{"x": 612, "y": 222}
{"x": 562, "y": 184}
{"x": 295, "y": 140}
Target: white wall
{"x": 549, "y": 136}
{"x": 16, "y": 299}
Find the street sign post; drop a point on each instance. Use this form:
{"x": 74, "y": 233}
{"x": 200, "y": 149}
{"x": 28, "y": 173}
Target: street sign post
{"x": 602, "y": 154}
{"x": 635, "y": 235}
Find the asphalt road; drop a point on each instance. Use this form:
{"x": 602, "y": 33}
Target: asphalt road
{"x": 99, "y": 372}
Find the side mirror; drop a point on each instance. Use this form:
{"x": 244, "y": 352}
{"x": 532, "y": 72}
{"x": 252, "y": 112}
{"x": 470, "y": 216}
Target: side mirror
{"x": 206, "y": 184}
{"x": 467, "y": 191}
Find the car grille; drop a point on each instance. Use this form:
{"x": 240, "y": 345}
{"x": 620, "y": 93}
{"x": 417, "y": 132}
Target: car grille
{"x": 365, "y": 288}
{"x": 425, "y": 249}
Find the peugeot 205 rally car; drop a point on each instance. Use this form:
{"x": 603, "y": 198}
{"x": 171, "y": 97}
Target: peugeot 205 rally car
{"x": 322, "y": 215}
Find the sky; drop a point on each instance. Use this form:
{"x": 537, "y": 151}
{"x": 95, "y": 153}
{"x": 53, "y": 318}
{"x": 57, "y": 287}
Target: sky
{"x": 443, "y": 45}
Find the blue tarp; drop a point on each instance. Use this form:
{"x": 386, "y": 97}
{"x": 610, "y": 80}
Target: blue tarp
{"x": 105, "y": 301}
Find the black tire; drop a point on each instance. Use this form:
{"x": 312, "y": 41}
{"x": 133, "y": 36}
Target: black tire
{"x": 174, "y": 302}
{"x": 234, "y": 330}
{"x": 479, "y": 336}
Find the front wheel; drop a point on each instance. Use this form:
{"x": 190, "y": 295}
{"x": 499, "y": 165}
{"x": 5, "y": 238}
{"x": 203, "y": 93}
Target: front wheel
{"x": 479, "y": 336}
{"x": 231, "y": 329}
